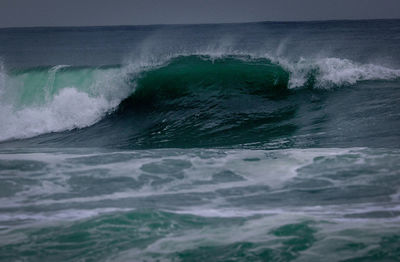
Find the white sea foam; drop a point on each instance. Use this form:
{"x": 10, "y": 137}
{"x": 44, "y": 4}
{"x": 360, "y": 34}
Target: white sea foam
{"x": 336, "y": 72}
{"x": 68, "y": 110}
{"x": 267, "y": 168}
{"x": 64, "y": 215}
{"x": 57, "y": 106}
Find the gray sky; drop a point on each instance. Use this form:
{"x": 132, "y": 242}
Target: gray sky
{"x": 20, "y": 13}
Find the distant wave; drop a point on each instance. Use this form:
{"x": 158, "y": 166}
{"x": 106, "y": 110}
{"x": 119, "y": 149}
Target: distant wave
{"x": 60, "y": 98}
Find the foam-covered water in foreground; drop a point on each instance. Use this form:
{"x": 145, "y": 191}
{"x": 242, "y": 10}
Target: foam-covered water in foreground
{"x": 192, "y": 204}
{"x": 236, "y": 142}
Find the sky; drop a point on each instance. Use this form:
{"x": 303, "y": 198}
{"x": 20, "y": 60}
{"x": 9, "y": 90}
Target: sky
{"x": 24, "y": 13}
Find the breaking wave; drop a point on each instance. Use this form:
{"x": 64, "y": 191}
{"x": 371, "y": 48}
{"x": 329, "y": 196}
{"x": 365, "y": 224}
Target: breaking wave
{"x": 52, "y": 99}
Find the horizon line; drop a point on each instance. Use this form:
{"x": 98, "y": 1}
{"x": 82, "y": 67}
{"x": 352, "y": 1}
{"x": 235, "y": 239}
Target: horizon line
{"x": 194, "y": 24}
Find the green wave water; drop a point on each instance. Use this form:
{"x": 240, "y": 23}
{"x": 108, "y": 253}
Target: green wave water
{"x": 37, "y": 86}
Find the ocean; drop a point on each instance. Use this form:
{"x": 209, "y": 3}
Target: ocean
{"x": 271, "y": 141}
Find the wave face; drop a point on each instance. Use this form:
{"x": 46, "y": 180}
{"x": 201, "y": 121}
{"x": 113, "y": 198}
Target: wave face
{"x": 186, "y": 95}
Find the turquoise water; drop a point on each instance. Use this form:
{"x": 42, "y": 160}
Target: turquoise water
{"x": 237, "y": 142}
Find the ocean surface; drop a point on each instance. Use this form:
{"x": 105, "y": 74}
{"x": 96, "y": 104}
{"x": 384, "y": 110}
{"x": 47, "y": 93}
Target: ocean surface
{"x": 231, "y": 142}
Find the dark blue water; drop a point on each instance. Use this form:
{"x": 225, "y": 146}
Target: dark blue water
{"x": 231, "y": 142}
